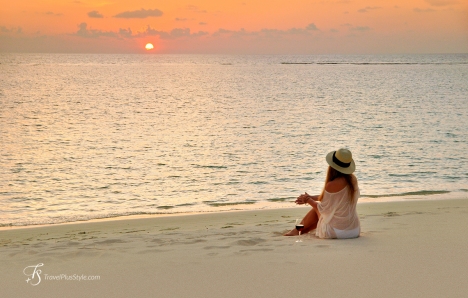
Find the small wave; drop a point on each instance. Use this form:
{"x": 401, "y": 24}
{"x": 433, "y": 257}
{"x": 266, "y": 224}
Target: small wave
{"x": 209, "y": 167}
{"x": 165, "y": 207}
{"x": 25, "y": 199}
{"x": 233, "y": 182}
{"x": 400, "y": 175}
{"x": 230, "y": 203}
{"x": 280, "y": 199}
{"x": 186, "y": 204}
{"x": 411, "y": 193}
{"x": 258, "y": 182}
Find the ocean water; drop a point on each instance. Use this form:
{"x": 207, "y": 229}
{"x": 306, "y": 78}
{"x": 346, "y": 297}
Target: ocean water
{"x": 94, "y": 136}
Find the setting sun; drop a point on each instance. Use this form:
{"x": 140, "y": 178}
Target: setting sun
{"x": 149, "y": 46}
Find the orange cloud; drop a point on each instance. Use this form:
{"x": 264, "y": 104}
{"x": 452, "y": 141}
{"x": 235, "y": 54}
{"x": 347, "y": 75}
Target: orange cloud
{"x": 139, "y": 14}
{"x": 95, "y": 14}
{"x": 83, "y": 31}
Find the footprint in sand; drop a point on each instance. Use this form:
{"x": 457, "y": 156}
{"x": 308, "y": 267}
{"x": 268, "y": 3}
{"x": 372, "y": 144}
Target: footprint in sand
{"x": 133, "y": 231}
{"x": 391, "y": 214}
{"x": 194, "y": 241}
{"x": 73, "y": 243}
{"x": 235, "y": 224}
{"x": 110, "y": 241}
{"x": 323, "y": 245}
{"x": 151, "y": 251}
{"x": 256, "y": 249}
{"x": 170, "y": 229}
{"x": 216, "y": 247}
{"x": 160, "y": 241}
{"x": 229, "y": 234}
{"x": 250, "y": 242}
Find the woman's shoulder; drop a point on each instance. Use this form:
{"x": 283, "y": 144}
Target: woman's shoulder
{"x": 336, "y": 185}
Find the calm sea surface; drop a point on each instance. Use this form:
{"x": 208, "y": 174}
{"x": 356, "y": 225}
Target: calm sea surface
{"x": 92, "y": 136}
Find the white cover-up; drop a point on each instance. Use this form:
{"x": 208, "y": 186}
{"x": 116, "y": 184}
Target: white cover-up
{"x": 338, "y": 216}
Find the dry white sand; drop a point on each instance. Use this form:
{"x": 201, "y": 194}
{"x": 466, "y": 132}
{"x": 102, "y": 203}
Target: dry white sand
{"x": 406, "y": 249}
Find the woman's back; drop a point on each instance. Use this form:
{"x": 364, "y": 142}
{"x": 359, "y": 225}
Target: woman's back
{"x": 336, "y": 185}
{"x": 339, "y": 217}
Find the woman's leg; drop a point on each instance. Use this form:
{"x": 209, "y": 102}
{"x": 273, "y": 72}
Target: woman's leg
{"x": 309, "y": 221}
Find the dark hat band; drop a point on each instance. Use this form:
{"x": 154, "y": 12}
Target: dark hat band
{"x": 339, "y": 163}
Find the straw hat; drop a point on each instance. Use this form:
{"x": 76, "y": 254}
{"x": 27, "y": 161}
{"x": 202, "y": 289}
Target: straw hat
{"x": 342, "y": 161}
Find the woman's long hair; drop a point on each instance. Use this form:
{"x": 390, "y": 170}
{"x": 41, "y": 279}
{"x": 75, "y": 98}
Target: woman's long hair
{"x": 332, "y": 174}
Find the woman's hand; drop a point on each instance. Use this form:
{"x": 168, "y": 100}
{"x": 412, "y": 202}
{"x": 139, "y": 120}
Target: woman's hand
{"x": 307, "y": 199}
{"x": 302, "y": 199}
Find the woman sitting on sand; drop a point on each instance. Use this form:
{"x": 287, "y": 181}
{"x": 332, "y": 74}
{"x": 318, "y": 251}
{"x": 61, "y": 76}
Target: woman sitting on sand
{"x": 333, "y": 212}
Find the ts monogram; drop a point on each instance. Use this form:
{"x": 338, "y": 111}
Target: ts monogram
{"x": 33, "y": 274}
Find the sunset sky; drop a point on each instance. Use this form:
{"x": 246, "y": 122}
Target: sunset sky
{"x": 235, "y": 26}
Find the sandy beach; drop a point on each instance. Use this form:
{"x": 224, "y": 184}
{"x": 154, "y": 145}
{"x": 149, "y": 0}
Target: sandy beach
{"x": 407, "y": 249}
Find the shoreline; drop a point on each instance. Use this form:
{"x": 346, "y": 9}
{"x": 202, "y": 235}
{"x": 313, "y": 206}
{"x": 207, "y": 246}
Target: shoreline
{"x": 247, "y": 207}
{"x": 186, "y": 216}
